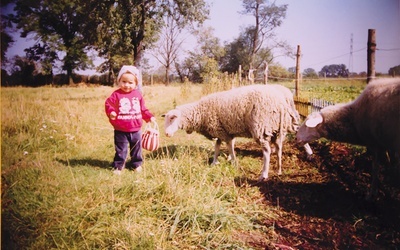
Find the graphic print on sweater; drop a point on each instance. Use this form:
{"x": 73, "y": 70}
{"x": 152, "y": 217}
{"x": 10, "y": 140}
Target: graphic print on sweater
{"x": 129, "y": 109}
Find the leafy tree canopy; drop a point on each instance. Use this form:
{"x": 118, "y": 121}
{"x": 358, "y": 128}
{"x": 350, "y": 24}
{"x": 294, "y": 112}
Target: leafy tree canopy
{"x": 268, "y": 16}
{"x": 60, "y": 25}
{"x": 394, "y": 71}
{"x": 128, "y": 27}
{"x": 6, "y": 39}
{"x": 239, "y": 53}
{"x": 334, "y": 70}
{"x": 310, "y": 73}
{"x": 115, "y": 28}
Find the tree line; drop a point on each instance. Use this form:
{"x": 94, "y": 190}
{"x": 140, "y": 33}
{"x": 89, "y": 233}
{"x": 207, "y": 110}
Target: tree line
{"x": 124, "y": 31}
{"x": 120, "y": 31}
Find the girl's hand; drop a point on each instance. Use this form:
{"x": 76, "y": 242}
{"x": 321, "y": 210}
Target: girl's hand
{"x": 153, "y": 119}
{"x": 113, "y": 115}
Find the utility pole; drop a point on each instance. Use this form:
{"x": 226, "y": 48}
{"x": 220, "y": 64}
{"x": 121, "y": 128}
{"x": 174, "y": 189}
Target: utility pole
{"x": 371, "y": 55}
{"x": 351, "y": 55}
{"x": 298, "y": 54}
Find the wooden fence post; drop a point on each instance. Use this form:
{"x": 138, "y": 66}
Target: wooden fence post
{"x": 266, "y": 73}
{"x": 297, "y": 70}
{"x": 240, "y": 75}
{"x": 251, "y": 74}
{"x": 371, "y": 55}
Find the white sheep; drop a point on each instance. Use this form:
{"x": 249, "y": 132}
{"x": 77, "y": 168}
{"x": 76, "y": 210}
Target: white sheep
{"x": 296, "y": 120}
{"x": 260, "y": 112}
{"x": 371, "y": 120}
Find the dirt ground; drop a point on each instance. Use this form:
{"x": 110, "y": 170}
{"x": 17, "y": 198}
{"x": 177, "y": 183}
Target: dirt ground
{"x": 323, "y": 204}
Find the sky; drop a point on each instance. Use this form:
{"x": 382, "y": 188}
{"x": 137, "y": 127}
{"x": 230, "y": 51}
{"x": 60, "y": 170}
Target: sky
{"x": 322, "y": 28}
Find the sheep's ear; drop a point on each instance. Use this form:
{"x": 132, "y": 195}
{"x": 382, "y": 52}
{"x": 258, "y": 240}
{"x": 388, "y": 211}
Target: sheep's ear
{"x": 314, "y": 120}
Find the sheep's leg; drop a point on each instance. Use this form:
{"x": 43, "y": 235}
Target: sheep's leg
{"x": 266, "y": 148}
{"x": 217, "y": 147}
{"x": 279, "y": 145}
{"x": 308, "y": 151}
{"x": 279, "y": 142}
{"x": 231, "y": 149}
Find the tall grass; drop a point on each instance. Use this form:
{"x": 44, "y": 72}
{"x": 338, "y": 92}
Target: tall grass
{"x": 334, "y": 91}
{"x": 58, "y": 190}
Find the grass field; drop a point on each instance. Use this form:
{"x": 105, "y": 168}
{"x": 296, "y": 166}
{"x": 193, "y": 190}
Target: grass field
{"x": 59, "y": 192}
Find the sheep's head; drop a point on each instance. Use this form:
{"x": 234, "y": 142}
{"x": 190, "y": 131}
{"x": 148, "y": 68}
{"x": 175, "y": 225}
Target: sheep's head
{"x": 310, "y": 129}
{"x": 172, "y": 122}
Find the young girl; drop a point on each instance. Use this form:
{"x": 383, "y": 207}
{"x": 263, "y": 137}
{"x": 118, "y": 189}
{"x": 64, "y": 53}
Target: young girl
{"x": 126, "y": 109}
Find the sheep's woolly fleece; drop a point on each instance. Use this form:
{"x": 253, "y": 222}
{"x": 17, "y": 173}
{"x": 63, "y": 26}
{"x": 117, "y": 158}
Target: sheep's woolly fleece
{"x": 249, "y": 111}
{"x": 372, "y": 120}
{"x": 261, "y": 112}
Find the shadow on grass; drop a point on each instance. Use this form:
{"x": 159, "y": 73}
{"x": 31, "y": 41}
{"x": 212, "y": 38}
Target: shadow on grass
{"x": 327, "y": 208}
{"x": 86, "y": 162}
{"x": 324, "y": 200}
{"x": 328, "y": 215}
{"x": 177, "y": 152}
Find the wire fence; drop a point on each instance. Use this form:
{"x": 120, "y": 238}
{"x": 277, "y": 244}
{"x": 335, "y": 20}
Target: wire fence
{"x": 306, "y": 106}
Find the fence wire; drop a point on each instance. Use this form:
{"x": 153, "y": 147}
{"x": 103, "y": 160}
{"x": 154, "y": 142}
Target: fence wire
{"x": 307, "y": 106}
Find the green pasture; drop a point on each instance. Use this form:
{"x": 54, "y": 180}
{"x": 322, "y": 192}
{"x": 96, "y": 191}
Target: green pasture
{"x": 59, "y": 192}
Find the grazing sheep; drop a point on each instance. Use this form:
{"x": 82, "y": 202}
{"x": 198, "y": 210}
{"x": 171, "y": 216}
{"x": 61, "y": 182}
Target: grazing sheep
{"x": 260, "y": 112}
{"x": 296, "y": 120}
{"x": 372, "y": 120}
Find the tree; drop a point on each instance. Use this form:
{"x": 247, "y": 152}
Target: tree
{"x": 334, "y": 70}
{"x": 6, "y": 39}
{"x": 6, "y": 42}
{"x": 59, "y": 25}
{"x": 394, "y": 71}
{"x": 267, "y": 18}
{"x": 23, "y": 71}
{"x": 210, "y": 46}
{"x": 280, "y": 72}
{"x": 292, "y": 70}
{"x": 131, "y": 26}
{"x": 238, "y": 53}
{"x": 310, "y": 73}
{"x": 44, "y": 56}
{"x": 168, "y": 45}
{"x": 204, "y": 59}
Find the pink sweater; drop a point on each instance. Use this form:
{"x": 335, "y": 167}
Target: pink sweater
{"x": 130, "y": 109}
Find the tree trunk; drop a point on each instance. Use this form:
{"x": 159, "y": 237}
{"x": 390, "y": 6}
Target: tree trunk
{"x": 166, "y": 76}
{"x": 69, "y": 76}
{"x": 138, "y": 47}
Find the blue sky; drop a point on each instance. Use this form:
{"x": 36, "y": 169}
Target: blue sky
{"x": 322, "y": 28}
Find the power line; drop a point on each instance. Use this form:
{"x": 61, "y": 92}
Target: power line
{"x": 330, "y": 59}
{"x": 388, "y": 49}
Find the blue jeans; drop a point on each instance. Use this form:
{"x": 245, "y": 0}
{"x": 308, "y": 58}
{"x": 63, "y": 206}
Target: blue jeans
{"x": 124, "y": 141}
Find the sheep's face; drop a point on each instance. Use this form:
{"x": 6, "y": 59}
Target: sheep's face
{"x": 310, "y": 129}
{"x": 172, "y": 121}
